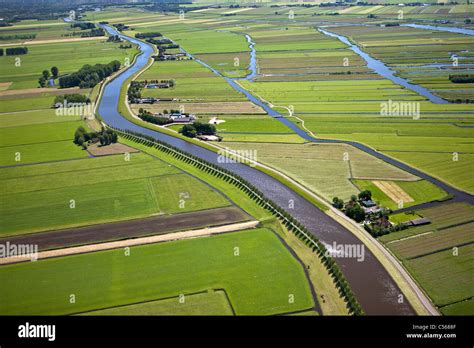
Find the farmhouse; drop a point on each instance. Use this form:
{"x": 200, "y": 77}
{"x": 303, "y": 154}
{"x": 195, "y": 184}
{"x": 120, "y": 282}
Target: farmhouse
{"x": 170, "y": 56}
{"x": 159, "y": 85}
{"x": 152, "y": 100}
{"x": 368, "y": 203}
{"x": 177, "y": 117}
{"x": 369, "y": 207}
{"x": 208, "y": 137}
{"x": 146, "y": 100}
{"x": 181, "y": 118}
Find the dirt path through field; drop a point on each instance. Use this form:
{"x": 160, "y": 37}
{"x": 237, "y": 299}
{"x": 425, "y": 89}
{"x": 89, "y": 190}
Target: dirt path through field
{"x": 28, "y": 92}
{"x": 393, "y": 191}
{"x": 133, "y": 242}
{"x": 53, "y": 41}
{"x": 136, "y": 228}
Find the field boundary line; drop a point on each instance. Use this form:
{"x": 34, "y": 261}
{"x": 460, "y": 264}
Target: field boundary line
{"x": 55, "y": 41}
{"x": 317, "y": 306}
{"x": 41, "y": 142}
{"x": 439, "y": 250}
{"x": 72, "y": 171}
{"x": 411, "y": 237}
{"x": 203, "y": 232}
{"x": 201, "y": 292}
{"x": 45, "y": 162}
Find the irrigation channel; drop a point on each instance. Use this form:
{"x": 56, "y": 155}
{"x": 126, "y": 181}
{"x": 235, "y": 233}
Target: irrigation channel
{"x": 372, "y": 285}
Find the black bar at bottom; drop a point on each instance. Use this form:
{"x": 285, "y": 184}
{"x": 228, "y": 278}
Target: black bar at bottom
{"x": 332, "y": 331}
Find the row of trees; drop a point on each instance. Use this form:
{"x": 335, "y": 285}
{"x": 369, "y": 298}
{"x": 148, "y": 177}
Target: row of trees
{"x": 83, "y": 25}
{"x": 120, "y": 26}
{"x": 91, "y": 33}
{"x": 287, "y": 219}
{"x": 134, "y": 91}
{"x": 89, "y": 75}
{"x": 114, "y": 38}
{"x": 147, "y": 35}
{"x": 71, "y": 98}
{"x": 14, "y": 51}
{"x": 45, "y": 75}
{"x": 197, "y": 128}
{"x": 17, "y": 37}
{"x": 160, "y": 41}
{"x": 380, "y": 227}
{"x": 149, "y": 117}
{"x": 84, "y": 138}
{"x": 465, "y": 78}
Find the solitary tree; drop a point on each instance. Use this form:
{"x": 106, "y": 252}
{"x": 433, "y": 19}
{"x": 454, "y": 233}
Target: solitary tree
{"x": 188, "y": 131}
{"x": 54, "y": 71}
{"x": 42, "y": 81}
{"x": 45, "y": 74}
{"x": 365, "y": 195}
{"x": 337, "y": 203}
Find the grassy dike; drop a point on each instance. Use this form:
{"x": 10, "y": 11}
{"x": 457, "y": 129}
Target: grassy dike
{"x": 322, "y": 281}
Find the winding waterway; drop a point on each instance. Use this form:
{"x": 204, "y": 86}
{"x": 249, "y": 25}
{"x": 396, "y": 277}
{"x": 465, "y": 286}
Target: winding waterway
{"x": 372, "y": 285}
{"x": 458, "y": 194}
{"x": 440, "y": 28}
{"x": 370, "y": 282}
{"x": 383, "y": 70}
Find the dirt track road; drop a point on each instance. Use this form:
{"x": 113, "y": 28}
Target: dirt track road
{"x": 154, "y": 225}
{"x": 134, "y": 241}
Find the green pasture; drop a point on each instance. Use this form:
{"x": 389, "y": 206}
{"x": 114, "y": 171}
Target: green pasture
{"x": 439, "y": 255}
{"x": 97, "y": 190}
{"x": 447, "y": 278}
{"x": 67, "y": 56}
{"x": 192, "y": 82}
{"x": 443, "y": 216}
{"x": 325, "y": 169}
{"x": 206, "y": 303}
{"x": 421, "y": 191}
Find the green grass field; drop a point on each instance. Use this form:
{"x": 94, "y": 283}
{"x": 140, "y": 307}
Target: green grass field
{"x": 440, "y": 271}
{"x": 166, "y": 270}
{"x": 325, "y": 169}
{"x": 67, "y": 56}
{"x": 433, "y": 242}
{"x": 211, "y": 302}
{"x": 441, "y": 217}
{"x": 192, "y": 82}
{"x": 439, "y": 255}
{"x": 297, "y": 66}
{"x": 421, "y": 191}
{"x": 41, "y": 197}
